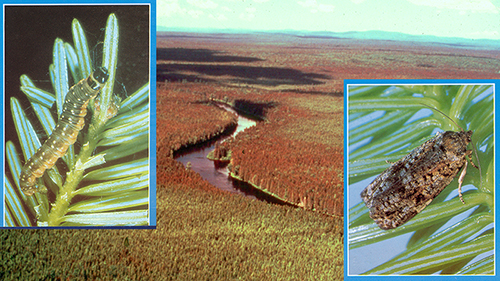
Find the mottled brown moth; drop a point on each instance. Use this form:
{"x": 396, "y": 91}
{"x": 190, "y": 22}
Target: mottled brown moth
{"x": 410, "y": 184}
{"x": 71, "y": 121}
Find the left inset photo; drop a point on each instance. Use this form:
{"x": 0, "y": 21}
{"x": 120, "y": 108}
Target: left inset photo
{"x": 77, "y": 126}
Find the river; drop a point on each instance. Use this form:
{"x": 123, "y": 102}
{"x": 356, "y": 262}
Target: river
{"x": 214, "y": 172}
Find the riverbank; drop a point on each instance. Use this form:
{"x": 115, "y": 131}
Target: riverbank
{"x": 225, "y": 236}
{"x": 300, "y": 169}
{"x": 187, "y": 119}
{"x": 296, "y": 155}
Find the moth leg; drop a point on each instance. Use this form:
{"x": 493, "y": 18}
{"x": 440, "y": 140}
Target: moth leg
{"x": 472, "y": 163}
{"x": 389, "y": 162}
{"x": 460, "y": 181}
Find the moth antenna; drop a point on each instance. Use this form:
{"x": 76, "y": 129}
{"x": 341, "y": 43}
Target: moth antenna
{"x": 435, "y": 109}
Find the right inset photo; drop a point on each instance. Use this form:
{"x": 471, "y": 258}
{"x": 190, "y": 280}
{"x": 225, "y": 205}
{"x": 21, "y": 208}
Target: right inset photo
{"x": 421, "y": 177}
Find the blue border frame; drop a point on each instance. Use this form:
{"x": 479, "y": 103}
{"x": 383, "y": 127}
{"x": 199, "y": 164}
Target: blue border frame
{"x": 152, "y": 92}
{"x": 346, "y": 176}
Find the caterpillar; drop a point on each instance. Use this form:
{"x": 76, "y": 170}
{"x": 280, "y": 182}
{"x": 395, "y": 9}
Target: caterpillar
{"x": 71, "y": 121}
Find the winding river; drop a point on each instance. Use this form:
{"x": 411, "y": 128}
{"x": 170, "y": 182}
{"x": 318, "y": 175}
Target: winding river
{"x": 214, "y": 172}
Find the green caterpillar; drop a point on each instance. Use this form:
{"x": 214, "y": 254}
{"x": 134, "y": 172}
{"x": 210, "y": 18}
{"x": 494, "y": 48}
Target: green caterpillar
{"x": 71, "y": 121}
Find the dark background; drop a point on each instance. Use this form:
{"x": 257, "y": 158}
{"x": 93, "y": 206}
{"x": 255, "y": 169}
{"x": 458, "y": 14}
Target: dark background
{"x": 30, "y": 32}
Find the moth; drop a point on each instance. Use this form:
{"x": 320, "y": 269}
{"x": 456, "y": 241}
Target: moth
{"x": 71, "y": 121}
{"x": 410, "y": 184}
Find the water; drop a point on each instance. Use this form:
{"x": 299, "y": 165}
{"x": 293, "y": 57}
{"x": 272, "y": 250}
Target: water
{"x": 216, "y": 173}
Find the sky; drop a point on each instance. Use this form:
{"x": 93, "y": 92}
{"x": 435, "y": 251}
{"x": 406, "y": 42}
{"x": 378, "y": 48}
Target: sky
{"x": 473, "y": 19}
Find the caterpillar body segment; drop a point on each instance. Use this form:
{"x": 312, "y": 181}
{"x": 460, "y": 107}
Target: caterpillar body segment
{"x": 71, "y": 121}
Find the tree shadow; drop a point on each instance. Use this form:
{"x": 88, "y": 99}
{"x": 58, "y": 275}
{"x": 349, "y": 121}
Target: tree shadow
{"x": 205, "y": 65}
{"x": 256, "y": 75}
{"x": 199, "y": 55}
{"x": 256, "y": 110}
{"x": 180, "y": 77}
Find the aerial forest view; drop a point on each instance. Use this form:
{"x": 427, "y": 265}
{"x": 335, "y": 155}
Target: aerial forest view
{"x": 293, "y": 154}
{"x": 293, "y": 87}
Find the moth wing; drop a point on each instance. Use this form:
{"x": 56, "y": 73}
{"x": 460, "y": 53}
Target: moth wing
{"x": 400, "y": 171}
{"x": 399, "y": 193}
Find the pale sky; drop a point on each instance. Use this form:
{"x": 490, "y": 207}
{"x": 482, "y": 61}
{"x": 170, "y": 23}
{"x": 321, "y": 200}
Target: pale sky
{"x": 475, "y": 19}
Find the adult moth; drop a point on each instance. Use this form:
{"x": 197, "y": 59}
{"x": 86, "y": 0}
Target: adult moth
{"x": 71, "y": 121}
{"x": 410, "y": 184}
